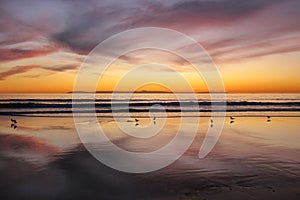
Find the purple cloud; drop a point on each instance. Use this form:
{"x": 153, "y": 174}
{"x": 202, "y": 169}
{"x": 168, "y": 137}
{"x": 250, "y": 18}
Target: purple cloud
{"x": 16, "y": 70}
{"x": 22, "y": 69}
{"x": 16, "y": 53}
{"x": 223, "y": 27}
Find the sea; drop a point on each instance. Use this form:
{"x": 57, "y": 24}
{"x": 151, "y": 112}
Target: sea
{"x": 140, "y": 104}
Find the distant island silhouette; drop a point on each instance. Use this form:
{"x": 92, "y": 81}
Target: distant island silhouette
{"x": 142, "y": 91}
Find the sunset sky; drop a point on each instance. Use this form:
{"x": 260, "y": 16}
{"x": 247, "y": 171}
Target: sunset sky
{"x": 255, "y": 44}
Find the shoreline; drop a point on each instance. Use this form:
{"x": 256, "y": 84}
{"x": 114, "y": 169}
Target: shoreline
{"x": 253, "y": 159}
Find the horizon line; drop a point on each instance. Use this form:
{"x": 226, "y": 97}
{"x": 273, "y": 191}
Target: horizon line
{"x": 145, "y": 92}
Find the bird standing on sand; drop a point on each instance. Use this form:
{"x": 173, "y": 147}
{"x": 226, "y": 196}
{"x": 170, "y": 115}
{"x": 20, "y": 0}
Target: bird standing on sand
{"x": 232, "y": 119}
{"x": 136, "y": 120}
{"x": 13, "y": 121}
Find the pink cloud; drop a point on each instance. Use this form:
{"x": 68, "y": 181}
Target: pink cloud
{"x": 16, "y": 70}
{"x": 22, "y": 69}
{"x": 15, "y": 54}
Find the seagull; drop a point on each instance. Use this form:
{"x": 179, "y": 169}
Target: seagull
{"x": 268, "y": 117}
{"x": 211, "y": 121}
{"x": 136, "y": 120}
{"x": 12, "y": 125}
{"x": 231, "y": 122}
{"x": 13, "y": 121}
{"x": 232, "y": 118}
{"x": 15, "y": 126}
{"x": 136, "y": 124}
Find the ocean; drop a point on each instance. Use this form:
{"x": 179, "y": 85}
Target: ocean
{"x": 140, "y": 104}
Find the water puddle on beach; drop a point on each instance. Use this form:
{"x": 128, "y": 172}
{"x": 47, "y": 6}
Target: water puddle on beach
{"x": 253, "y": 158}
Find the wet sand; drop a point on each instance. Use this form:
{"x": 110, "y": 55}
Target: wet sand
{"x": 254, "y": 159}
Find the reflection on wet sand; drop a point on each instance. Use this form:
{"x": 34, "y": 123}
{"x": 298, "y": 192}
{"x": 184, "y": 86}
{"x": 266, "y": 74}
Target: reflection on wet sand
{"x": 252, "y": 160}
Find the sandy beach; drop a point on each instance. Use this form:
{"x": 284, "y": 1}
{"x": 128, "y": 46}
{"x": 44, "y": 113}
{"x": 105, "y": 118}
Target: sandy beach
{"x": 253, "y": 159}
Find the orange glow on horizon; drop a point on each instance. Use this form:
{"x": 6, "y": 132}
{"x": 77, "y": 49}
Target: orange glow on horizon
{"x": 255, "y": 76}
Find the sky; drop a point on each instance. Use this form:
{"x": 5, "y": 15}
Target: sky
{"x": 255, "y": 44}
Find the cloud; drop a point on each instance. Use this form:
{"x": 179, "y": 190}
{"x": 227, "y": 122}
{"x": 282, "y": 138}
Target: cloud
{"x": 16, "y": 53}
{"x": 92, "y": 25}
{"x": 233, "y": 23}
{"x": 197, "y": 14}
{"x": 62, "y": 68}
{"x": 239, "y": 50}
{"x": 16, "y": 70}
{"x": 22, "y": 69}
{"x": 222, "y": 26}
{"x": 27, "y": 20}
